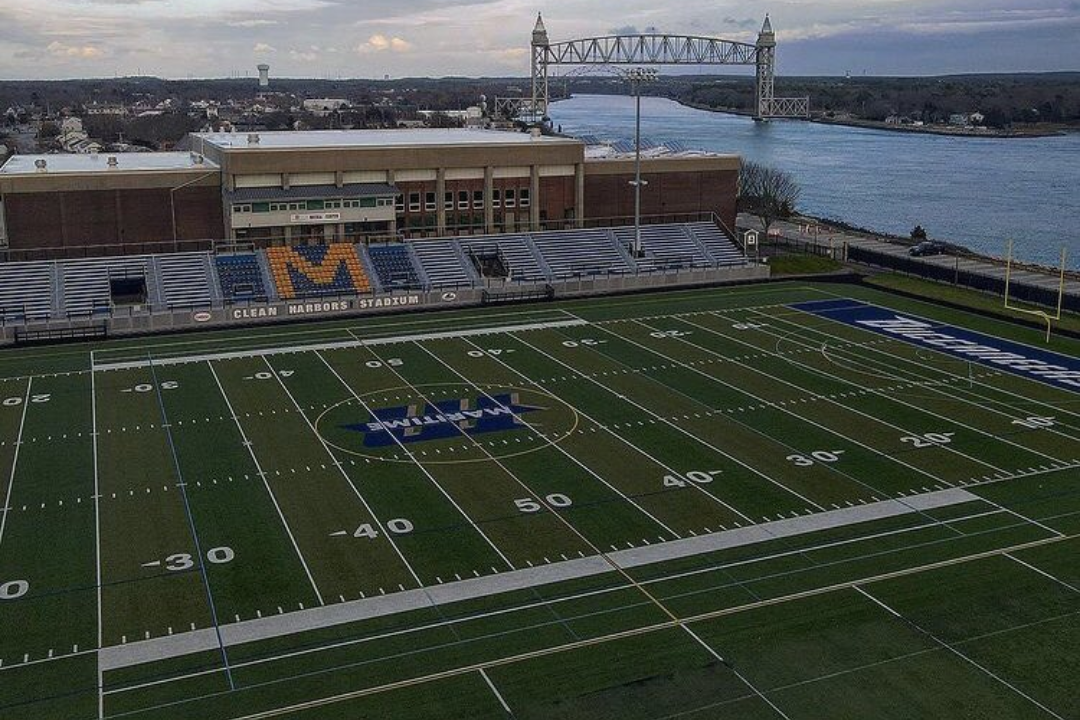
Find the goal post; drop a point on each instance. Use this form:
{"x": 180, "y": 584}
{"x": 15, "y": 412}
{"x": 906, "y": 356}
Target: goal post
{"x": 1043, "y": 314}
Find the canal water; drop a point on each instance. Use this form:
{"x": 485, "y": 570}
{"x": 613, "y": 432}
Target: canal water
{"x": 979, "y": 192}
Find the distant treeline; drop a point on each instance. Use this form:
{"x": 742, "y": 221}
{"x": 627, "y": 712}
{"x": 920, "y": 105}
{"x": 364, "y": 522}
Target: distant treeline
{"x": 1003, "y": 100}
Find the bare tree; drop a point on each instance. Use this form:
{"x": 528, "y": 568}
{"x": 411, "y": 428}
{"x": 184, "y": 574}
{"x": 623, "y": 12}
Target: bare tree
{"x": 767, "y": 193}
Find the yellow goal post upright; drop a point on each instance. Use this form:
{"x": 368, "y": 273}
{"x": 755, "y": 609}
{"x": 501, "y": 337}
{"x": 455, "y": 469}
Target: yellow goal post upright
{"x": 1046, "y": 317}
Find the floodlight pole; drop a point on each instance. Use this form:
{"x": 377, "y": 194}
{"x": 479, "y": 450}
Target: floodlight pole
{"x": 636, "y": 77}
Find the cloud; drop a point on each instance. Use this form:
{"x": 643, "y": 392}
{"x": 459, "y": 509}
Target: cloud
{"x": 84, "y": 52}
{"x": 264, "y": 48}
{"x": 381, "y": 43}
{"x": 305, "y": 56}
{"x": 744, "y": 24}
{"x": 251, "y": 23}
{"x": 632, "y": 30}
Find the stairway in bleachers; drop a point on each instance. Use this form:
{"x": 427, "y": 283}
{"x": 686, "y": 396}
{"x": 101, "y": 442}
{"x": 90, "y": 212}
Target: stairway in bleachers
{"x": 722, "y": 249}
{"x": 442, "y": 263}
{"x": 26, "y": 291}
{"x": 185, "y": 280}
{"x": 85, "y": 284}
{"x": 581, "y": 252}
{"x": 310, "y": 271}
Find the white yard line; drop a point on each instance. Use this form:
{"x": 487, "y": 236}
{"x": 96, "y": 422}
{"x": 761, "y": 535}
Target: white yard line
{"x": 118, "y": 656}
{"x": 1045, "y": 574}
{"x": 667, "y": 422}
{"x": 97, "y": 533}
{"x": 343, "y": 344}
{"x": 14, "y": 461}
{"x": 496, "y": 693}
{"x": 555, "y": 445}
{"x": 345, "y": 475}
{"x": 956, "y": 652}
{"x": 262, "y": 475}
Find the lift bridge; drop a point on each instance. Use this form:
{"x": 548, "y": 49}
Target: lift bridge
{"x": 653, "y": 49}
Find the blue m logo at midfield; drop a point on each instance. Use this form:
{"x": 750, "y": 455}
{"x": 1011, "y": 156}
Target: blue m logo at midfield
{"x": 444, "y": 419}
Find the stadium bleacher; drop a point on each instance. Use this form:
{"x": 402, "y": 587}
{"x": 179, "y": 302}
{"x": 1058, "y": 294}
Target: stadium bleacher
{"x": 393, "y": 265}
{"x": 86, "y": 285}
{"x": 308, "y": 271}
{"x": 442, "y": 263}
{"x": 240, "y": 278}
{"x": 584, "y": 252}
{"x": 35, "y": 291}
{"x": 26, "y": 291}
{"x": 665, "y": 246}
{"x": 185, "y": 279}
{"x": 721, "y": 247}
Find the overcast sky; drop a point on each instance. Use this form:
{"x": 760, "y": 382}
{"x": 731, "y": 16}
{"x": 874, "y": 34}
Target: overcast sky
{"x": 370, "y": 38}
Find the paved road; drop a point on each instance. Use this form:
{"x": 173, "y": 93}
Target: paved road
{"x": 794, "y": 231}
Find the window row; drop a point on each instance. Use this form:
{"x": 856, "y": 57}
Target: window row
{"x": 464, "y": 200}
{"x": 310, "y": 205}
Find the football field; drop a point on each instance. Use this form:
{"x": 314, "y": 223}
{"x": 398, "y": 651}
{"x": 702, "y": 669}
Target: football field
{"x": 778, "y": 501}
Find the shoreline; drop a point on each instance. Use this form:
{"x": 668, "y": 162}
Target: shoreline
{"x": 941, "y": 130}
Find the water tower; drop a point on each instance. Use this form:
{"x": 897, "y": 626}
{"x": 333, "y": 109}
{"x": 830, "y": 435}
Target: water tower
{"x": 264, "y": 75}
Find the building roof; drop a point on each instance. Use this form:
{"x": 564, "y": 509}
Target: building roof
{"x": 311, "y": 192}
{"x": 99, "y": 162}
{"x": 322, "y": 139}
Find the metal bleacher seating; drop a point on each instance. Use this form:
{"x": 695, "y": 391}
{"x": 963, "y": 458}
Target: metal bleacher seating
{"x": 442, "y": 263}
{"x": 393, "y": 265}
{"x": 185, "y": 279}
{"x": 521, "y": 263}
{"x": 581, "y": 252}
{"x": 26, "y": 291}
{"x": 240, "y": 277}
{"x": 722, "y": 249}
{"x": 308, "y": 271}
{"x": 665, "y": 246}
{"x": 86, "y": 284}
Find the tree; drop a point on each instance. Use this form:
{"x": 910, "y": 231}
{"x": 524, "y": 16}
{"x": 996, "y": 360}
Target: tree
{"x": 767, "y": 193}
{"x": 918, "y": 234}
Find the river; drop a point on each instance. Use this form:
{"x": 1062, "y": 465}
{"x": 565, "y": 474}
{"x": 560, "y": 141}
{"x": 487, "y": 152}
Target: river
{"x": 978, "y": 192}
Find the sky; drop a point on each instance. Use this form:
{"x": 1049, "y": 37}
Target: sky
{"x": 52, "y": 39}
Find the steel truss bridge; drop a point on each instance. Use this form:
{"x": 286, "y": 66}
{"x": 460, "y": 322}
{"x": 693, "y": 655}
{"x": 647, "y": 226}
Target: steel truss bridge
{"x": 654, "y": 49}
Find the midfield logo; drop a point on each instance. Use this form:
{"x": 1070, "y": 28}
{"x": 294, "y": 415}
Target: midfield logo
{"x": 445, "y": 419}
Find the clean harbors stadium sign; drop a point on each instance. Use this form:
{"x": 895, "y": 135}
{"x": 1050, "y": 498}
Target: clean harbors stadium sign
{"x": 312, "y": 308}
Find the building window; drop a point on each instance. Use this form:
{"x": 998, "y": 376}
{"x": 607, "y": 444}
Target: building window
{"x": 414, "y": 202}
{"x": 448, "y": 201}
{"x": 510, "y": 198}
{"x": 399, "y": 203}
{"x": 241, "y": 208}
{"x": 260, "y": 207}
{"x": 478, "y": 199}
{"x": 429, "y": 202}
{"x": 384, "y": 202}
{"x": 496, "y": 200}
{"x": 463, "y": 200}
{"x": 525, "y": 197}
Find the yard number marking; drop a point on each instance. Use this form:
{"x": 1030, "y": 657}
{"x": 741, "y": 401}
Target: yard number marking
{"x": 928, "y": 440}
{"x": 398, "y": 526}
{"x": 147, "y": 387}
{"x": 556, "y": 500}
{"x": 13, "y": 590}
{"x": 264, "y": 375}
{"x": 493, "y": 352}
{"x": 391, "y": 362}
{"x": 698, "y": 477}
{"x": 749, "y": 326}
{"x": 1035, "y": 423}
{"x": 587, "y": 342}
{"x": 661, "y": 334}
{"x": 822, "y": 456}
{"x": 184, "y": 561}
{"x": 17, "y": 401}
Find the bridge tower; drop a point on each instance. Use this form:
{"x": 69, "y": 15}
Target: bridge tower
{"x": 765, "y": 88}
{"x": 540, "y": 45}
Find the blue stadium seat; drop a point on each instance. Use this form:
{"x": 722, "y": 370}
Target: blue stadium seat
{"x": 394, "y": 266}
{"x": 240, "y": 277}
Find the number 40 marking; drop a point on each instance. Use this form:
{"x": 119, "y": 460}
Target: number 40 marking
{"x": 695, "y": 477}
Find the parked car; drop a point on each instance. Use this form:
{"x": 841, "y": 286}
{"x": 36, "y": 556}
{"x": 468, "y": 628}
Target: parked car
{"x": 928, "y": 248}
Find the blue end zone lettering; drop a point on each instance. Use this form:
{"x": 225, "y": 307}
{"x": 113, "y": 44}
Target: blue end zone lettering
{"x": 1051, "y": 368}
